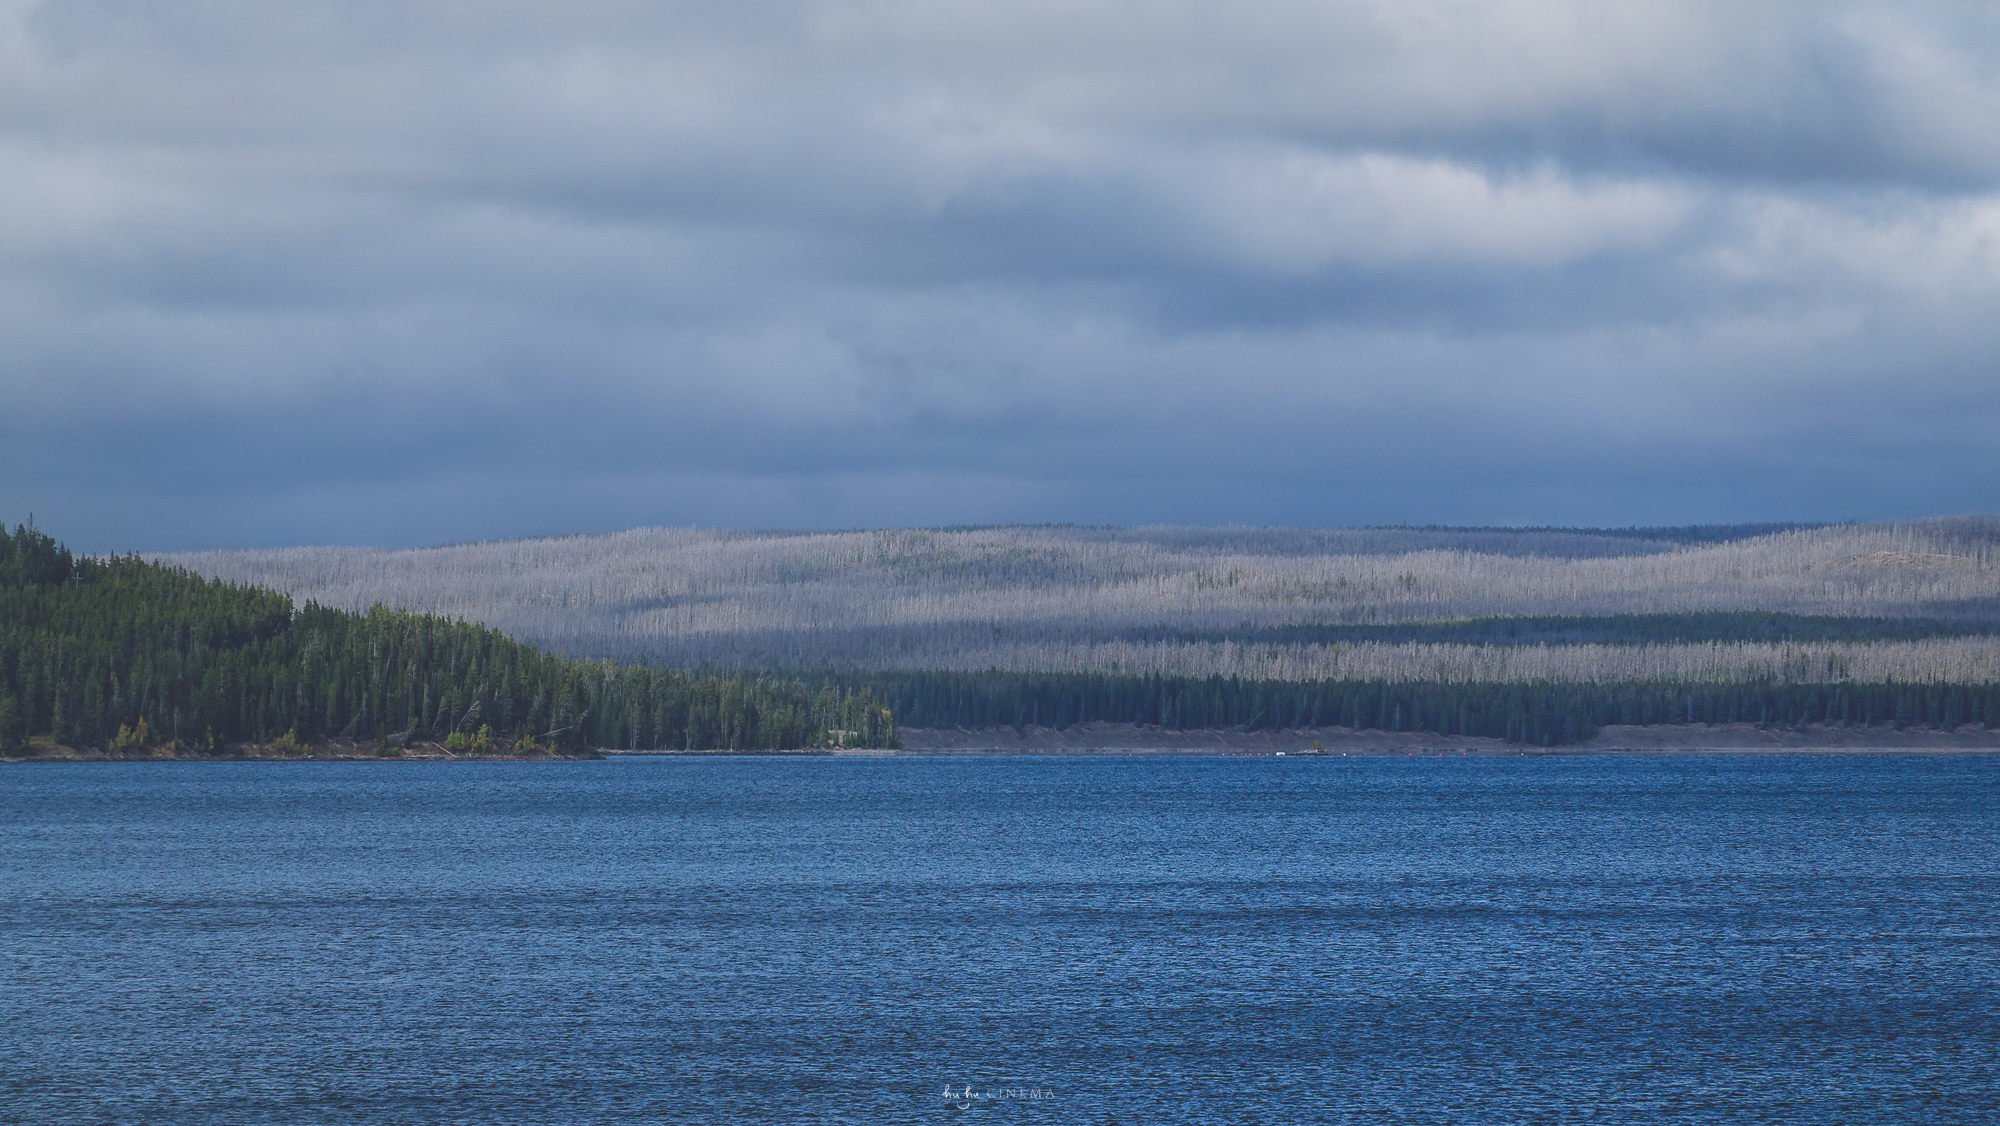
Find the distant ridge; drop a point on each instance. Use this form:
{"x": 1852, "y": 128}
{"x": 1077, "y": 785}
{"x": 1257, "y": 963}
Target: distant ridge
{"x": 1536, "y": 636}
{"x": 1683, "y": 533}
{"x": 1796, "y": 602}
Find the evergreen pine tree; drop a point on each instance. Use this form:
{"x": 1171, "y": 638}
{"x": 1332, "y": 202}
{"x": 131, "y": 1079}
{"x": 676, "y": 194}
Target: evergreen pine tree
{"x": 13, "y": 730}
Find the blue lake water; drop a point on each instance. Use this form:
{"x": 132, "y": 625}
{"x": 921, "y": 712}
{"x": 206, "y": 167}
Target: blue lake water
{"x": 1045, "y": 940}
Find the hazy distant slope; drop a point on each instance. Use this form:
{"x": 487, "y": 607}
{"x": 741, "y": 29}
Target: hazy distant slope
{"x": 1074, "y": 598}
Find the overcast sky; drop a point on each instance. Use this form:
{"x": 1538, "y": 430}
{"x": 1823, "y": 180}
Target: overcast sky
{"x": 349, "y": 271}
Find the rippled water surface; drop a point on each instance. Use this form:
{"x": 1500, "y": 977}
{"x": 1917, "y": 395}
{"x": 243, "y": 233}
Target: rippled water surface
{"x": 1050, "y": 940}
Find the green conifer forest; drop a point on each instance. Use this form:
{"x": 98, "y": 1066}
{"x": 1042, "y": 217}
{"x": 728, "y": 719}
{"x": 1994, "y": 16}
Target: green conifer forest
{"x": 1536, "y": 714}
{"x": 124, "y": 654}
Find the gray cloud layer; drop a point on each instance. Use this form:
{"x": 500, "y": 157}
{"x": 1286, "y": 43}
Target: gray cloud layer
{"x": 357, "y": 271}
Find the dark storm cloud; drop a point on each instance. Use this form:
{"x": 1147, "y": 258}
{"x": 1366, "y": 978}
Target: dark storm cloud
{"x": 410, "y": 272}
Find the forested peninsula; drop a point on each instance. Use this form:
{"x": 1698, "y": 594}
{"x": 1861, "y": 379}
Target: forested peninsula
{"x": 121, "y": 657}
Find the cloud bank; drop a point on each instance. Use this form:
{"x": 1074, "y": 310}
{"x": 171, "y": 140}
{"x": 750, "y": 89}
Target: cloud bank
{"x": 415, "y": 272}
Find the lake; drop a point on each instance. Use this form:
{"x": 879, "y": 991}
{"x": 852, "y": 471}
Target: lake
{"x": 1697, "y": 939}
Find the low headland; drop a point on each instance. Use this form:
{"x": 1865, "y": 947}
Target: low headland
{"x": 121, "y": 658}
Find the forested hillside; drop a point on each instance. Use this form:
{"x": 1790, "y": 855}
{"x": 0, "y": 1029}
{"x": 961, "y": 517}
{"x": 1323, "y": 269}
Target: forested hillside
{"x": 1908, "y": 602}
{"x": 1535, "y": 635}
{"x": 123, "y": 653}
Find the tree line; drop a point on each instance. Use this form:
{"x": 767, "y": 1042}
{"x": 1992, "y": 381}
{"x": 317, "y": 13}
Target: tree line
{"x": 1598, "y": 629}
{"x": 100, "y": 652}
{"x": 1540, "y": 714}
{"x": 1962, "y": 660}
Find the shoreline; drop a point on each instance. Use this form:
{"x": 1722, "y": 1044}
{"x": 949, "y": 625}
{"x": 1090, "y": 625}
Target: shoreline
{"x": 1141, "y": 741}
{"x": 1741, "y": 738}
{"x": 329, "y": 750}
